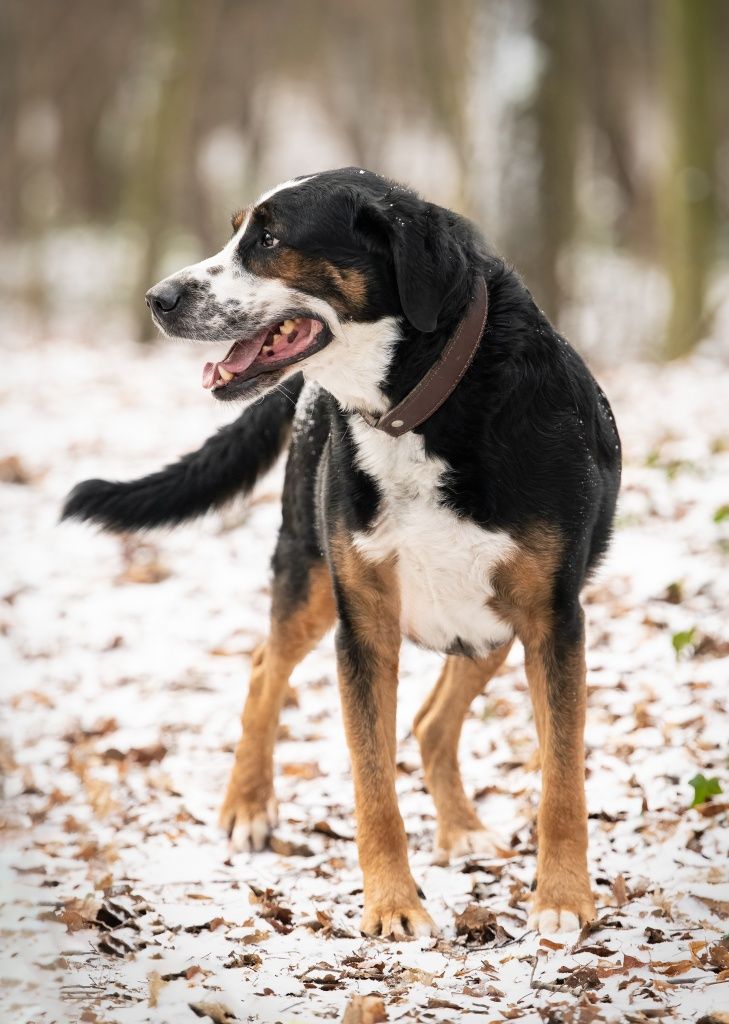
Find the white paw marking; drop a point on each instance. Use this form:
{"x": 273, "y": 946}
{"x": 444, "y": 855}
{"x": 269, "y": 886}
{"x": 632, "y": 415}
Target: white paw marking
{"x": 251, "y": 832}
{"x": 479, "y": 840}
{"x": 553, "y": 921}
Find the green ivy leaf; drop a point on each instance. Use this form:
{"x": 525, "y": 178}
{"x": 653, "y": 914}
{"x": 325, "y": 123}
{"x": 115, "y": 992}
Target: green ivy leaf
{"x": 683, "y": 639}
{"x": 704, "y": 788}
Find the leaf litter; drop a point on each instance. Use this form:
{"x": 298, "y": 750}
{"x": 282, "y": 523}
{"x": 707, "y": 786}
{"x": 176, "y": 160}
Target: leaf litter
{"x": 122, "y": 901}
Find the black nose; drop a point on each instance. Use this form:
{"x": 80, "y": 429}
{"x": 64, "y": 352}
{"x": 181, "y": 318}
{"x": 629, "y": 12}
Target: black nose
{"x": 164, "y": 297}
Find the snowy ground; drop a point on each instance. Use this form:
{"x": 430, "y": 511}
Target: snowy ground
{"x": 124, "y": 672}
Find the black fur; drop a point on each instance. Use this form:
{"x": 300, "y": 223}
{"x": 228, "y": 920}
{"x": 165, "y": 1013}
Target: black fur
{"x": 229, "y": 463}
{"x": 528, "y": 435}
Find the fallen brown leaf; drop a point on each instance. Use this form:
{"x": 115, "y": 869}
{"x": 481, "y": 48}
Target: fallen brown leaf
{"x": 672, "y": 969}
{"x": 480, "y": 926}
{"x": 243, "y": 960}
{"x": 711, "y": 809}
{"x": 156, "y": 984}
{"x": 217, "y": 1012}
{"x": 364, "y": 1010}
{"x": 325, "y": 829}
{"x": 719, "y": 954}
{"x": 12, "y": 471}
{"x": 720, "y": 907}
{"x": 620, "y": 891}
{"x": 286, "y": 848}
{"x": 207, "y": 926}
{"x": 549, "y": 944}
{"x": 302, "y": 770}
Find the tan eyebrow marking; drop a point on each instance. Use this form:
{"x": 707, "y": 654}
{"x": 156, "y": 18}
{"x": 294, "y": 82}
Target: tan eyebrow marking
{"x": 238, "y": 217}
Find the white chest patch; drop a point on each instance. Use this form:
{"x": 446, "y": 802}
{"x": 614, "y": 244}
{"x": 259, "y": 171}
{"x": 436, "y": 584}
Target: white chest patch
{"x": 444, "y": 563}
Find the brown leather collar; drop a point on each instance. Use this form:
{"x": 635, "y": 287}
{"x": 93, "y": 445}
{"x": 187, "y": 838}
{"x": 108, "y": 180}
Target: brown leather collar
{"x": 442, "y": 378}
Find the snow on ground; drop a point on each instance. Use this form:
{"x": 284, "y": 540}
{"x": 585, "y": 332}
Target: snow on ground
{"x": 124, "y": 672}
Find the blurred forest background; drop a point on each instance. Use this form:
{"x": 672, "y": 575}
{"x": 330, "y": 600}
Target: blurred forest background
{"x": 586, "y": 138}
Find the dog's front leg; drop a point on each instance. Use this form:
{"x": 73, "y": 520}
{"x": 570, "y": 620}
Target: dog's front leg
{"x": 368, "y": 646}
{"x": 300, "y": 615}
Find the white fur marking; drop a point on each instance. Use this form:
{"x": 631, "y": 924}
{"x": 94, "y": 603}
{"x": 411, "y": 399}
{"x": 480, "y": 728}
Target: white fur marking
{"x": 355, "y": 362}
{"x": 292, "y": 183}
{"x": 444, "y": 563}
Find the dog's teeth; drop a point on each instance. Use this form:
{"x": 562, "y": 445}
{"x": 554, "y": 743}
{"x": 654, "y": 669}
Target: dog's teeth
{"x": 287, "y": 327}
{"x": 277, "y": 338}
{"x": 225, "y": 374}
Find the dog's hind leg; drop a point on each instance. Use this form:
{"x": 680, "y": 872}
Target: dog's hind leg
{"x": 537, "y": 595}
{"x": 302, "y": 612}
{"x": 555, "y": 666}
{"x": 437, "y": 728}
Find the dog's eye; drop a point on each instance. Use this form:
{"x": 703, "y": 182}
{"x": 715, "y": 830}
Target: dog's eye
{"x": 268, "y": 241}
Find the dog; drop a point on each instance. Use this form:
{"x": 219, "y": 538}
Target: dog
{"x": 452, "y": 477}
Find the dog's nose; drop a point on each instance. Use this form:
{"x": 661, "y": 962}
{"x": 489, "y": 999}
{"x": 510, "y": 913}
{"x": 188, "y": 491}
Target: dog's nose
{"x": 164, "y": 297}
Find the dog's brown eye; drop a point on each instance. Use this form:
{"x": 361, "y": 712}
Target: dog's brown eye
{"x": 268, "y": 241}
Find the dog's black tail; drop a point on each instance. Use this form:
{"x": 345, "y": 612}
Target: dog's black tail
{"x": 229, "y": 463}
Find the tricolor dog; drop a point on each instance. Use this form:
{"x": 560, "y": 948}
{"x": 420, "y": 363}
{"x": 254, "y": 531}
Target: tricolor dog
{"x": 452, "y": 477}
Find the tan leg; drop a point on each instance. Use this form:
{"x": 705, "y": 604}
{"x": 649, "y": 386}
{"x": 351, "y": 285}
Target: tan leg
{"x": 368, "y": 645}
{"x": 249, "y": 808}
{"x": 437, "y": 728}
{"x": 549, "y": 623}
{"x": 535, "y": 761}
{"x": 556, "y": 672}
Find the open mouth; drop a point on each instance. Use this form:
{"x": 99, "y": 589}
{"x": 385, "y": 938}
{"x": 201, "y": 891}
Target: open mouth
{"x": 274, "y": 347}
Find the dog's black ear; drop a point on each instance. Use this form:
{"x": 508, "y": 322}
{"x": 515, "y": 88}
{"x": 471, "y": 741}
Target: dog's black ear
{"x": 427, "y": 258}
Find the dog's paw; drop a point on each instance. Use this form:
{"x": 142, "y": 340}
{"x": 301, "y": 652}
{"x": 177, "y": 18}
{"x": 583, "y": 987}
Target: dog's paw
{"x": 463, "y": 842}
{"x": 564, "y": 916}
{"x": 249, "y": 823}
{"x": 391, "y": 920}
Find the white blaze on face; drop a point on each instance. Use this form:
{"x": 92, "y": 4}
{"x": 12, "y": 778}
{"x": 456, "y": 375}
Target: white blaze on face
{"x": 354, "y": 363}
{"x": 232, "y": 282}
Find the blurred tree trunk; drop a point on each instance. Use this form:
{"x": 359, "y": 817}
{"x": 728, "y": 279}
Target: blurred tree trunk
{"x": 443, "y": 34}
{"x": 557, "y": 109}
{"x": 182, "y": 37}
{"x": 9, "y": 170}
{"x": 620, "y": 69}
{"x": 689, "y": 215}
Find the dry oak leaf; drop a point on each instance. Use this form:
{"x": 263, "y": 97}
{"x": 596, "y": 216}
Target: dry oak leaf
{"x": 302, "y": 770}
{"x": 77, "y": 914}
{"x": 718, "y": 906}
{"x": 243, "y": 960}
{"x": 442, "y": 1004}
{"x": 12, "y": 471}
{"x": 620, "y": 891}
{"x": 323, "y": 828}
{"x": 278, "y": 916}
{"x": 156, "y": 983}
{"x": 364, "y": 1010}
{"x": 141, "y": 563}
{"x": 719, "y": 954}
{"x": 207, "y": 926}
{"x": 479, "y": 926}
{"x": 217, "y": 1012}
{"x": 287, "y": 848}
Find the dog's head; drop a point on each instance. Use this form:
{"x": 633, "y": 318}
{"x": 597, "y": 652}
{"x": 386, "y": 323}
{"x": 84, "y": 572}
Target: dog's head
{"x": 314, "y": 264}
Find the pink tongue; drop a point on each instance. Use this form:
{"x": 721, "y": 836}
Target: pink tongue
{"x": 238, "y": 359}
